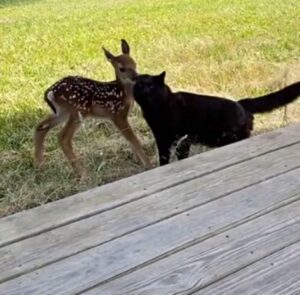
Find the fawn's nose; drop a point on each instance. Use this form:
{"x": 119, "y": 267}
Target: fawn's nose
{"x": 134, "y": 78}
{"x": 134, "y": 75}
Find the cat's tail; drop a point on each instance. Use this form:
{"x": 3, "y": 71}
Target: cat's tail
{"x": 269, "y": 102}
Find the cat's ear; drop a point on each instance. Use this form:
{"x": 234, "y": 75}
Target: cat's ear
{"x": 160, "y": 79}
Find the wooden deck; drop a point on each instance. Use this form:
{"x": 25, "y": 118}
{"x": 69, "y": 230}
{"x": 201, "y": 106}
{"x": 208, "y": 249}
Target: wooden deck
{"x": 221, "y": 223}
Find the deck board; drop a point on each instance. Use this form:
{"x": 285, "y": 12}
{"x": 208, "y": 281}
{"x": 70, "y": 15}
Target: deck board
{"x": 33, "y": 222}
{"x": 104, "y": 262}
{"x": 196, "y": 225}
{"x": 80, "y": 236}
{"x": 276, "y": 274}
{"x": 217, "y": 257}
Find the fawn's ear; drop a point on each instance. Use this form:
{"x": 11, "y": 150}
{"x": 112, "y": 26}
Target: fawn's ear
{"x": 125, "y": 47}
{"x": 108, "y": 55}
{"x": 160, "y": 79}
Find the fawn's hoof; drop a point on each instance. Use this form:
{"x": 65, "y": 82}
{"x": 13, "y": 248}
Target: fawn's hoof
{"x": 38, "y": 165}
{"x": 82, "y": 176}
{"x": 149, "y": 166}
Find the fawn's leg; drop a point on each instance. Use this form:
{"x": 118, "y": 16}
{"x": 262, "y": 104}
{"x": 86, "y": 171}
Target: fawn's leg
{"x": 126, "y": 130}
{"x": 65, "y": 141}
{"x": 183, "y": 149}
{"x": 40, "y": 133}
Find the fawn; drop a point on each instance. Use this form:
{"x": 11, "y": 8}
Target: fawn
{"x": 74, "y": 98}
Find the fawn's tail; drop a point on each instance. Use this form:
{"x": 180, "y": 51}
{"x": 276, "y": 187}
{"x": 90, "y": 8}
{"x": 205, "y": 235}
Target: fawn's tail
{"x": 48, "y": 97}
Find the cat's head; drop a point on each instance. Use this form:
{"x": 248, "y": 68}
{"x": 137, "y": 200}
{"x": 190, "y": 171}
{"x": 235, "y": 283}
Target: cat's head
{"x": 148, "y": 86}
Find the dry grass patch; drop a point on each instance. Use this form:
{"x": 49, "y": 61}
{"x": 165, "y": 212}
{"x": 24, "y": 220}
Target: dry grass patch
{"x": 237, "y": 48}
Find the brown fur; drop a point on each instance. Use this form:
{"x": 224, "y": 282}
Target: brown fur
{"x": 74, "y": 98}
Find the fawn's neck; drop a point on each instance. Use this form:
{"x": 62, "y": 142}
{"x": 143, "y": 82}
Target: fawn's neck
{"x": 127, "y": 90}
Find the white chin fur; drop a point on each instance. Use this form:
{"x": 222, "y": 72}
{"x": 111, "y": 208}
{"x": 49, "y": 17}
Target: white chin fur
{"x": 128, "y": 81}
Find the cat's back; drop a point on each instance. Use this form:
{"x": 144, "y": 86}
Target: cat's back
{"x": 203, "y": 102}
{"x": 208, "y": 111}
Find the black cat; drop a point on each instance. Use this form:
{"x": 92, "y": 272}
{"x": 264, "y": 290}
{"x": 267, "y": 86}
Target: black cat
{"x": 209, "y": 120}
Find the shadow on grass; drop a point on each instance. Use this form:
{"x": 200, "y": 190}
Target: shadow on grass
{"x": 17, "y": 128}
{"x": 7, "y": 3}
{"x": 105, "y": 155}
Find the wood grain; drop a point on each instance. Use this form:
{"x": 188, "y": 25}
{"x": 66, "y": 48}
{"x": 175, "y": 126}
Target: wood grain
{"x": 59, "y": 243}
{"x": 278, "y": 274}
{"x": 33, "y": 222}
{"x": 202, "y": 264}
{"x": 95, "y": 266}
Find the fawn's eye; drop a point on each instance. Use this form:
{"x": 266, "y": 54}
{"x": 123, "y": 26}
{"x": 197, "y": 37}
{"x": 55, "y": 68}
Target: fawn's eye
{"x": 122, "y": 69}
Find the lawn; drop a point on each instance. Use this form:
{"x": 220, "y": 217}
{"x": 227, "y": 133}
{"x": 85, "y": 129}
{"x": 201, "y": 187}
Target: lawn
{"x": 237, "y": 48}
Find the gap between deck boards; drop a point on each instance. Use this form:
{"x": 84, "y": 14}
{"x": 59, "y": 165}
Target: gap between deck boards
{"x": 256, "y": 267}
{"x": 197, "y": 241}
{"x": 221, "y": 229}
{"x": 140, "y": 280}
{"x": 195, "y": 205}
{"x": 218, "y": 191}
{"x": 139, "y": 195}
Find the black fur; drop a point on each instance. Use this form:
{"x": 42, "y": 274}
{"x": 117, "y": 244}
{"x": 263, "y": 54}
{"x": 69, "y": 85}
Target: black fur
{"x": 271, "y": 101}
{"x": 212, "y": 121}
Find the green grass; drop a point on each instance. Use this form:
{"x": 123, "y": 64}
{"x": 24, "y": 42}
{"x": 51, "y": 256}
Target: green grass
{"x": 238, "y": 48}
